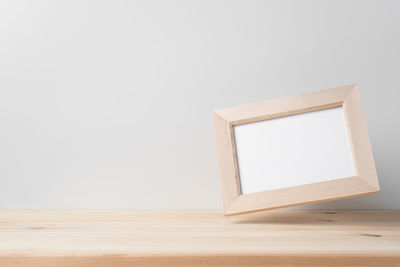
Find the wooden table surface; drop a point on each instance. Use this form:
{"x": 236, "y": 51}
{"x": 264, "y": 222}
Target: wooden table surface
{"x": 199, "y": 238}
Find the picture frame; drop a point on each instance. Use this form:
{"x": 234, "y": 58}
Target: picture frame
{"x": 226, "y": 121}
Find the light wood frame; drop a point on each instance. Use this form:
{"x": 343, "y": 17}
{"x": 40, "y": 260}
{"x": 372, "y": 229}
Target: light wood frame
{"x": 365, "y": 182}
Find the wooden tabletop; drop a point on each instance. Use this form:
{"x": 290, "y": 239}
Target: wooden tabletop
{"x": 199, "y": 238}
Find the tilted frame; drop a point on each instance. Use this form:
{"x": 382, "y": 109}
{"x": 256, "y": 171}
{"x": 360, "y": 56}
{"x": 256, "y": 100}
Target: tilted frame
{"x": 365, "y": 182}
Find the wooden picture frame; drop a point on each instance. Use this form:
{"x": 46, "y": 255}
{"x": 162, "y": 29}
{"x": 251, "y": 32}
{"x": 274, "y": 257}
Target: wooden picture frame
{"x": 364, "y": 182}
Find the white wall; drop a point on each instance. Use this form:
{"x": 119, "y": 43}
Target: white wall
{"x": 108, "y": 104}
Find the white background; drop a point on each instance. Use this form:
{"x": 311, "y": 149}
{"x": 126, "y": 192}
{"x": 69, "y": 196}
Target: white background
{"x": 108, "y": 104}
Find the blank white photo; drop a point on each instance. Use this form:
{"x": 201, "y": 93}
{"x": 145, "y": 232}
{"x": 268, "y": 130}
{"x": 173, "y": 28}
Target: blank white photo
{"x": 293, "y": 150}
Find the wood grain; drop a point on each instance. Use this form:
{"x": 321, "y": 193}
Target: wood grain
{"x": 199, "y": 238}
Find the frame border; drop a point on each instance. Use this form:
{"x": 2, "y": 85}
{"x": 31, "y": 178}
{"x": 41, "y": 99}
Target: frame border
{"x": 364, "y": 183}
